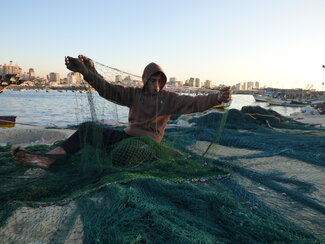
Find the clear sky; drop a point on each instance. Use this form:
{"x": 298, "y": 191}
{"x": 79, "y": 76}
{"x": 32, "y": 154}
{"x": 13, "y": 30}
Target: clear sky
{"x": 280, "y": 43}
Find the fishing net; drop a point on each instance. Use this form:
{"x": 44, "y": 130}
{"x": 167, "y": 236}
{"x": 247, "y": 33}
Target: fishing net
{"x": 226, "y": 176}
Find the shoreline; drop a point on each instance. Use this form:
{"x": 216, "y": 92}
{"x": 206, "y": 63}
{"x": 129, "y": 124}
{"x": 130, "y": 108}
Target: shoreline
{"x": 27, "y": 136}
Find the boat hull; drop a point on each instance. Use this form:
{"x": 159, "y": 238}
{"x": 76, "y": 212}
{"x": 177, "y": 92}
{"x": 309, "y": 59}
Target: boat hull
{"x": 7, "y": 121}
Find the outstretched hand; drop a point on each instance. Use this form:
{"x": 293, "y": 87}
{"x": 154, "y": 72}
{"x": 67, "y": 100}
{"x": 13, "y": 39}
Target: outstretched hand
{"x": 76, "y": 65}
{"x": 87, "y": 61}
{"x": 225, "y": 94}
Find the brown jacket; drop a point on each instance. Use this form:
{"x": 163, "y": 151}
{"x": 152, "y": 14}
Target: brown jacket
{"x": 149, "y": 113}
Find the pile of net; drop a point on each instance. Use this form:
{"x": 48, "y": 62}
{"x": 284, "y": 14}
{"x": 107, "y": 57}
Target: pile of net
{"x": 249, "y": 176}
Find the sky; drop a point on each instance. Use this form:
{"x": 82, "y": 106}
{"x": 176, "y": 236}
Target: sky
{"x": 280, "y": 43}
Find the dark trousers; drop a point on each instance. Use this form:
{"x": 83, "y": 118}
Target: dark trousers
{"x": 93, "y": 134}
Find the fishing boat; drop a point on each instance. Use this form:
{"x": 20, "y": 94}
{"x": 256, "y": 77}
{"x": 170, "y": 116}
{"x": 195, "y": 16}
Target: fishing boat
{"x": 7, "y": 121}
{"x": 260, "y": 98}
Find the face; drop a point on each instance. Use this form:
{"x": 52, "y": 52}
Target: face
{"x": 153, "y": 84}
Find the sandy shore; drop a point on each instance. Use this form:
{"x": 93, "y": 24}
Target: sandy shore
{"x": 309, "y": 119}
{"x": 24, "y": 136}
{"x": 48, "y": 224}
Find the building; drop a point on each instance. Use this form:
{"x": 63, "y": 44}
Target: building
{"x": 172, "y": 82}
{"x": 208, "y": 84}
{"x": 257, "y": 85}
{"x": 191, "y": 82}
{"x": 24, "y": 76}
{"x": 11, "y": 69}
{"x": 198, "y": 83}
{"x": 31, "y": 74}
{"x": 118, "y": 78}
{"x": 74, "y": 78}
{"x": 54, "y": 77}
{"x": 127, "y": 81}
{"x": 250, "y": 85}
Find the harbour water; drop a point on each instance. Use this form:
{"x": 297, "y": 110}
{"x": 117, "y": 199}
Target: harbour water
{"x": 61, "y": 109}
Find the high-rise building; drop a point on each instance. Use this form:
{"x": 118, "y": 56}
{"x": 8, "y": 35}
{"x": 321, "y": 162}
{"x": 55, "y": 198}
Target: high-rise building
{"x": 11, "y": 69}
{"x": 172, "y": 81}
{"x": 250, "y": 85}
{"x": 1, "y": 69}
{"x": 243, "y": 86}
{"x": 198, "y": 83}
{"x": 31, "y": 74}
{"x": 257, "y": 85}
{"x": 54, "y": 77}
{"x": 208, "y": 84}
{"x": 191, "y": 82}
{"x": 74, "y": 78}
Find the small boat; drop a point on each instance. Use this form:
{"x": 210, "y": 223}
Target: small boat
{"x": 278, "y": 101}
{"x": 288, "y": 102}
{"x": 7, "y": 121}
{"x": 260, "y": 98}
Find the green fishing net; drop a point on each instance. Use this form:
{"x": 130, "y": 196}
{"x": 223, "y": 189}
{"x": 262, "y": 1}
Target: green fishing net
{"x": 232, "y": 176}
{"x": 143, "y": 192}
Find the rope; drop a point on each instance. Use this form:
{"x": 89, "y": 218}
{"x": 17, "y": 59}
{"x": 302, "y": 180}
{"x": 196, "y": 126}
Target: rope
{"x": 115, "y": 69}
{"x": 265, "y": 115}
{"x": 12, "y": 122}
{"x": 218, "y": 132}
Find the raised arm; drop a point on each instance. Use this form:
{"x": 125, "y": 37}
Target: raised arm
{"x": 182, "y": 104}
{"x": 114, "y": 93}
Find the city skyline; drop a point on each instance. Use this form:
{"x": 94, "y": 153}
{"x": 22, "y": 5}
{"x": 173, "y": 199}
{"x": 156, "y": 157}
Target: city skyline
{"x": 279, "y": 43}
{"x": 53, "y": 76}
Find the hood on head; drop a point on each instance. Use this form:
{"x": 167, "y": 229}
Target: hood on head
{"x": 152, "y": 69}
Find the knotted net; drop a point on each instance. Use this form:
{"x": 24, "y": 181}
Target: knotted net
{"x": 248, "y": 176}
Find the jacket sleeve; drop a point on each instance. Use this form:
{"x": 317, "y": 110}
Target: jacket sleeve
{"x": 184, "y": 104}
{"x": 114, "y": 93}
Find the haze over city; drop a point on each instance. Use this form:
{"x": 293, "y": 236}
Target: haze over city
{"x": 277, "y": 43}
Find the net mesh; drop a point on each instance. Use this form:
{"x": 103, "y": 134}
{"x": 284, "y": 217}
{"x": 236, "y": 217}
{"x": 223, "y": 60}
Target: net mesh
{"x": 232, "y": 176}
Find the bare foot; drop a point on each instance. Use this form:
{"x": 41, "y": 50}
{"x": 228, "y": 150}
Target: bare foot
{"x": 30, "y": 159}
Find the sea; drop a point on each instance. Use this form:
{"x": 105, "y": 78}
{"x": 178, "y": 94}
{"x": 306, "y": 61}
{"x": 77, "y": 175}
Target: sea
{"x": 64, "y": 109}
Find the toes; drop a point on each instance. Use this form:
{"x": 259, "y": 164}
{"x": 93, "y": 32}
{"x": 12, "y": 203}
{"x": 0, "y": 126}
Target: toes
{"x": 14, "y": 150}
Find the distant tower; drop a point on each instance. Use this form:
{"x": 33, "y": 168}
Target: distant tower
{"x": 191, "y": 82}
{"x": 257, "y": 85}
{"x": 198, "y": 83}
{"x": 244, "y": 86}
{"x": 208, "y": 84}
{"x": 172, "y": 81}
{"x": 250, "y": 85}
{"x": 74, "y": 78}
{"x": 54, "y": 77}
{"x": 31, "y": 74}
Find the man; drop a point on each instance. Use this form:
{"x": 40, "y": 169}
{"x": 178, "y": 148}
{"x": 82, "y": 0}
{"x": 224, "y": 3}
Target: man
{"x": 150, "y": 109}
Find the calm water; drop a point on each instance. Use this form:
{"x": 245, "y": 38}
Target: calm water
{"x": 70, "y": 108}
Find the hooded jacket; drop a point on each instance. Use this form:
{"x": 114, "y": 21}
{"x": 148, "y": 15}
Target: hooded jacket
{"x": 149, "y": 113}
